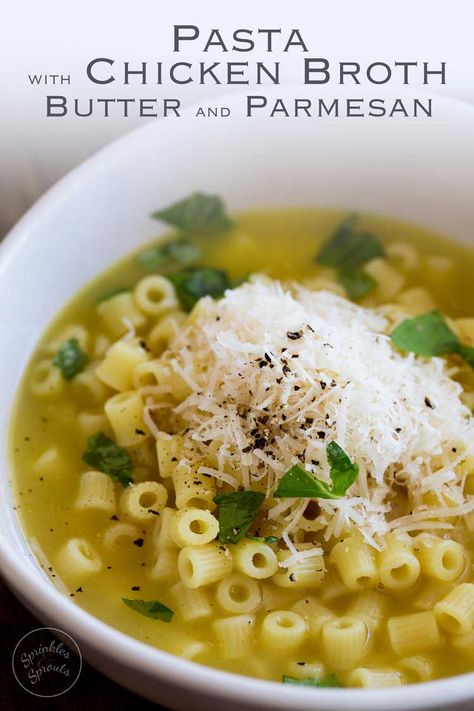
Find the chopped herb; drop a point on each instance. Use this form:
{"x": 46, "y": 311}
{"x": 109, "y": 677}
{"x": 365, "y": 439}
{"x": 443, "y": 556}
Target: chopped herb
{"x": 357, "y": 282}
{"x": 194, "y": 283}
{"x": 113, "y": 292}
{"x": 270, "y": 540}
{"x": 70, "y": 359}
{"x": 197, "y": 213}
{"x": 237, "y": 510}
{"x": 150, "y": 608}
{"x": 429, "y": 335}
{"x": 349, "y": 247}
{"x": 330, "y": 681}
{"x": 104, "y": 454}
{"x": 298, "y": 483}
{"x": 170, "y": 255}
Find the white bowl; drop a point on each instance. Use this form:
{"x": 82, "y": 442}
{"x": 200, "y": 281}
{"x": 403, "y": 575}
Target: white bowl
{"x": 420, "y": 170}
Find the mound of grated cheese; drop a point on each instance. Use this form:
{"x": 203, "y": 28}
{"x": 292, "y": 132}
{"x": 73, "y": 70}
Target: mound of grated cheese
{"x": 276, "y": 372}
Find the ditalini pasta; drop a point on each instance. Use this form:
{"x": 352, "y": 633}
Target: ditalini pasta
{"x": 258, "y": 435}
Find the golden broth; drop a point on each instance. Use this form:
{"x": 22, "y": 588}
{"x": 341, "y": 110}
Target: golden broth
{"x": 281, "y": 244}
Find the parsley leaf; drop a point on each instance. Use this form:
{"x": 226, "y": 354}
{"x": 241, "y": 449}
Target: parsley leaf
{"x": 113, "y": 292}
{"x": 169, "y": 255}
{"x": 356, "y": 281}
{"x": 298, "y": 483}
{"x": 349, "y": 247}
{"x": 429, "y": 335}
{"x": 330, "y": 681}
{"x": 150, "y": 608}
{"x": 237, "y": 510}
{"x": 194, "y": 283}
{"x": 270, "y": 540}
{"x": 70, "y": 359}
{"x": 104, "y": 454}
{"x": 197, "y": 213}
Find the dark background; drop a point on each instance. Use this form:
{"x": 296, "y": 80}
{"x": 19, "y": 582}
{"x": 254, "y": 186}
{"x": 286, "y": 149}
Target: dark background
{"x": 92, "y": 690}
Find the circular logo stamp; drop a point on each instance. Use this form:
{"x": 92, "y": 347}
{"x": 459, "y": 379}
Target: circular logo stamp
{"x": 46, "y": 662}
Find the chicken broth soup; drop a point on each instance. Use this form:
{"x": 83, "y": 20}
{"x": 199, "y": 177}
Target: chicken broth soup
{"x": 251, "y": 445}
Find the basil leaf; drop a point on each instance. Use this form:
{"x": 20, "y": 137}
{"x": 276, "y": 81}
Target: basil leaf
{"x": 330, "y": 681}
{"x": 298, "y": 483}
{"x": 104, "y": 454}
{"x": 150, "y": 608}
{"x": 169, "y": 255}
{"x": 426, "y": 335}
{"x": 467, "y": 352}
{"x": 349, "y": 248}
{"x": 70, "y": 359}
{"x": 194, "y": 283}
{"x": 356, "y": 281}
{"x": 237, "y": 510}
{"x": 198, "y": 213}
{"x": 270, "y": 540}
{"x": 113, "y": 292}
{"x": 343, "y": 472}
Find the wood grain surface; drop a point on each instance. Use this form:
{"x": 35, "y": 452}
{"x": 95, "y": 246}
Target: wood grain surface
{"x": 92, "y": 690}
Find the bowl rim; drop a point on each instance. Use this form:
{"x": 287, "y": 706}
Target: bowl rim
{"x": 108, "y": 642}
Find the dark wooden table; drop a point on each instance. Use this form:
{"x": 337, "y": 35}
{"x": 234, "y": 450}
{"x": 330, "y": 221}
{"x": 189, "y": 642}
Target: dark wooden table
{"x": 92, "y": 690}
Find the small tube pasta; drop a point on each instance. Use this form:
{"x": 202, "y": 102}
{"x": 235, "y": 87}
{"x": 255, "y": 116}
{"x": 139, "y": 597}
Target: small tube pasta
{"x": 78, "y": 558}
{"x": 192, "y": 604}
{"x": 49, "y": 463}
{"x": 118, "y": 532}
{"x": 203, "y": 565}
{"x": 193, "y": 490}
{"x": 403, "y": 254}
{"x": 455, "y": 612}
{"x": 161, "y": 335}
{"x": 283, "y": 630}
{"x": 315, "y": 614}
{"x": 355, "y": 563}
{"x": 306, "y": 670}
{"x": 125, "y": 414}
{"x": 46, "y": 380}
{"x": 75, "y": 330}
{"x": 142, "y": 501}
{"x": 89, "y": 388}
{"x": 90, "y": 422}
{"x": 234, "y": 635}
{"x": 345, "y": 641}
{"x": 168, "y": 450}
{"x": 464, "y": 644}
{"x": 155, "y": 295}
{"x": 152, "y": 373}
{"x": 416, "y": 669}
{"x": 389, "y": 280}
{"x": 118, "y": 312}
{"x": 238, "y": 594}
{"x": 165, "y": 566}
{"x": 369, "y": 605}
{"x": 193, "y": 527}
{"x": 117, "y": 368}
{"x": 374, "y": 678}
{"x": 440, "y": 559}
{"x": 255, "y": 559}
{"x": 308, "y": 572}
{"x": 398, "y": 566}
{"x": 413, "y": 633}
{"x": 96, "y": 491}
{"x": 161, "y": 536}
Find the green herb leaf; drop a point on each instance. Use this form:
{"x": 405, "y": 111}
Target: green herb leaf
{"x": 70, "y": 359}
{"x": 298, "y": 483}
{"x": 237, "y": 510}
{"x": 104, "y": 454}
{"x": 113, "y": 292}
{"x": 150, "y": 608}
{"x": 270, "y": 540}
{"x": 349, "y": 247}
{"x": 356, "y": 281}
{"x": 330, "y": 681}
{"x": 169, "y": 255}
{"x": 197, "y": 213}
{"x": 467, "y": 352}
{"x": 343, "y": 472}
{"x": 194, "y": 283}
{"x": 426, "y": 335}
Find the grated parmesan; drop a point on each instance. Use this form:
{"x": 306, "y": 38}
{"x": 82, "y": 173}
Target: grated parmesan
{"x": 276, "y": 372}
